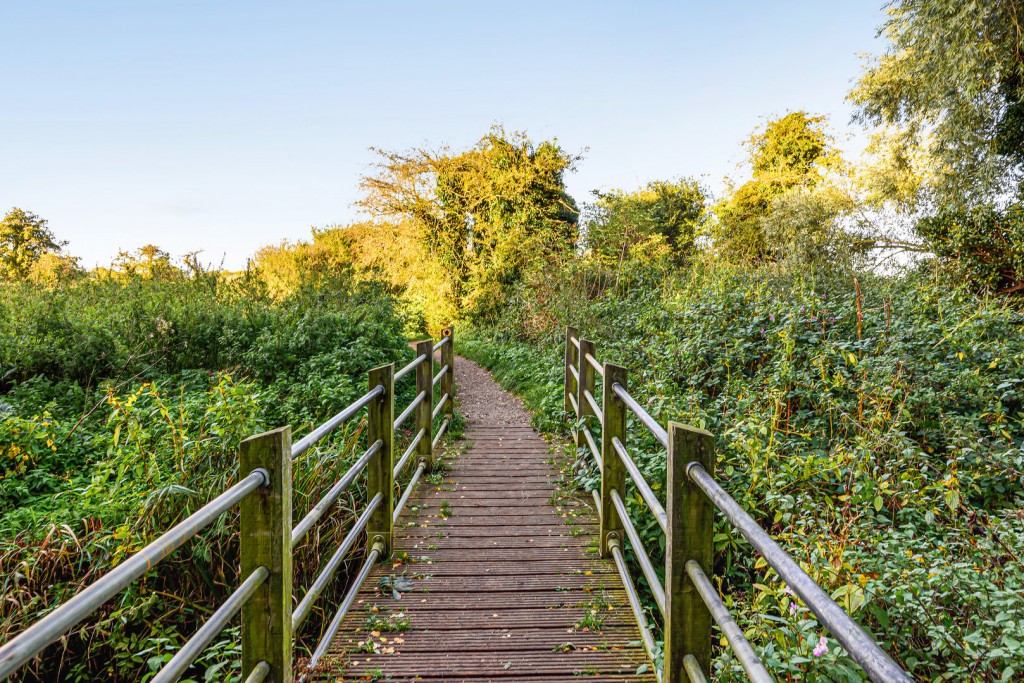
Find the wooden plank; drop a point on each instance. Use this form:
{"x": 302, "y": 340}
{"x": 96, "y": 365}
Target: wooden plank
{"x": 501, "y": 583}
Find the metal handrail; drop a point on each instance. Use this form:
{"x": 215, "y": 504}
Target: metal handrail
{"x": 439, "y": 406}
{"x": 438, "y": 345}
{"x": 50, "y": 628}
{"x": 440, "y": 432}
{"x": 652, "y": 425}
{"x": 598, "y": 413}
{"x": 575, "y": 342}
{"x": 400, "y": 465}
{"x": 748, "y": 659}
{"x": 439, "y": 375}
{"x": 594, "y": 450}
{"x": 408, "y": 491}
{"x": 422, "y": 396}
{"x": 346, "y": 604}
{"x": 864, "y": 650}
{"x": 634, "y": 599}
{"x": 303, "y": 444}
{"x": 644, "y": 489}
{"x": 194, "y": 646}
{"x": 878, "y": 665}
{"x": 327, "y": 573}
{"x": 641, "y": 553}
{"x": 258, "y": 674}
{"x": 410, "y": 367}
{"x": 597, "y": 366}
{"x": 311, "y": 518}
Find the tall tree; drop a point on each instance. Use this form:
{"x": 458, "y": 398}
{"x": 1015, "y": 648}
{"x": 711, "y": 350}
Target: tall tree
{"x": 24, "y": 239}
{"x": 485, "y": 214}
{"x": 791, "y": 160}
{"x": 952, "y": 81}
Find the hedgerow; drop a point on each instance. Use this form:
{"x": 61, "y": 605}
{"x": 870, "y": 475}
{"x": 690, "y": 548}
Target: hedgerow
{"x": 872, "y": 425}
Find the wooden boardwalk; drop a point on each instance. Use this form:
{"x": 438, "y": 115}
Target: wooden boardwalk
{"x": 506, "y": 583}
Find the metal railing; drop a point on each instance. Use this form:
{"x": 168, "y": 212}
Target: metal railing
{"x": 688, "y": 601}
{"x": 267, "y": 537}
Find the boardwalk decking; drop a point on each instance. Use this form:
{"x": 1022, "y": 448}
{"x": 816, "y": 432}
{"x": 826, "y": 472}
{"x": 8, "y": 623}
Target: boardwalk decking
{"x": 506, "y": 581}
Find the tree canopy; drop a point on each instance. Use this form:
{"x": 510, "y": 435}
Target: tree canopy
{"x": 788, "y": 204}
{"x": 24, "y": 239}
{"x": 952, "y": 81}
{"x": 485, "y": 214}
{"x": 662, "y": 219}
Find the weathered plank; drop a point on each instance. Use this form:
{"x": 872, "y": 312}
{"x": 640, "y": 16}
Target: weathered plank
{"x": 506, "y": 581}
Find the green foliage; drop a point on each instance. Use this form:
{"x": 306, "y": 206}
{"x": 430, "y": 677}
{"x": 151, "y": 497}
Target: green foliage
{"x": 124, "y": 400}
{"x": 884, "y": 450}
{"x": 953, "y": 81}
{"x": 788, "y": 210}
{"x": 486, "y": 215}
{"x": 983, "y": 245}
{"x": 24, "y": 240}
{"x": 661, "y": 220}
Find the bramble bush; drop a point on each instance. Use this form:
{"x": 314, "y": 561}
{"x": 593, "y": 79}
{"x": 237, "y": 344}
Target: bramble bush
{"x": 874, "y": 428}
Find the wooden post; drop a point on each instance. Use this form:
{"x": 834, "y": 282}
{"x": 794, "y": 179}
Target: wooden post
{"x": 690, "y": 534}
{"x": 448, "y": 381}
{"x": 425, "y": 410}
{"x": 381, "y": 426}
{"x": 613, "y": 476}
{"x": 266, "y": 541}
{"x": 571, "y": 361}
{"x": 586, "y": 383}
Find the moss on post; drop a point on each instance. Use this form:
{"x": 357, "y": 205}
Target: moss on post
{"x": 380, "y": 426}
{"x": 690, "y": 535}
{"x": 266, "y": 541}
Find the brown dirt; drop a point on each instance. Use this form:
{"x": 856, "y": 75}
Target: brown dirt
{"x": 482, "y": 400}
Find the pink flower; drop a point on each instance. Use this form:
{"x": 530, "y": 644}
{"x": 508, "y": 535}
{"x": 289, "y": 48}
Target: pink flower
{"x": 822, "y": 647}
{"x": 787, "y": 590}
{"x": 792, "y": 608}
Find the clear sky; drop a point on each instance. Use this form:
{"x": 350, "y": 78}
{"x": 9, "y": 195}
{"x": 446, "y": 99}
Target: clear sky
{"x": 224, "y": 126}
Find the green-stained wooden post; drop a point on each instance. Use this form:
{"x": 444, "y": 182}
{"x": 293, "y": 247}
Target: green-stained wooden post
{"x": 380, "y": 426}
{"x": 266, "y": 541}
{"x": 613, "y": 476}
{"x": 571, "y": 361}
{"x": 448, "y": 381}
{"x": 425, "y": 410}
{"x": 690, "y": 535}
{"x": 586, "y": 383}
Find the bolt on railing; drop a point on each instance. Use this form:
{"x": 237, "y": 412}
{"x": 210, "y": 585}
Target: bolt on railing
{"x": 688, "y": 600}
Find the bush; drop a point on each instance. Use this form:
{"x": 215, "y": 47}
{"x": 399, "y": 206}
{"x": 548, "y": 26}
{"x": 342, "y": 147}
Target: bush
{"x": 874, "y": 428}
{"x": 983, "y": 245}
{"x": 125, "y": 400}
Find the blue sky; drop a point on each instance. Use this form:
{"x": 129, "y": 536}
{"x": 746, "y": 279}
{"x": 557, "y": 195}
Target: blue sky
{"x": 224, "y": 126}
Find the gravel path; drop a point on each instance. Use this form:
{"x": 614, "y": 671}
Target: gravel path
{"x": 482, "y": 400}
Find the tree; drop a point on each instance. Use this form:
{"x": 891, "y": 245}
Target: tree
{"x": 784, "y": 206}
{"x": 952, "y": 82}
{"x": 148, "y": 261}
{"x": 486, "y": 214}
{"x": 662, "y": 219}
{"x": 24, "y": 239}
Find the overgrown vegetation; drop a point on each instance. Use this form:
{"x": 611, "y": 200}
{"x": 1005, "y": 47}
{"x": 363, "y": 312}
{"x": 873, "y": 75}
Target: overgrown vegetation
{"x": 874, "y": 427}
{"x": 851, "y": 332}
{"x": 125, "y": 398}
